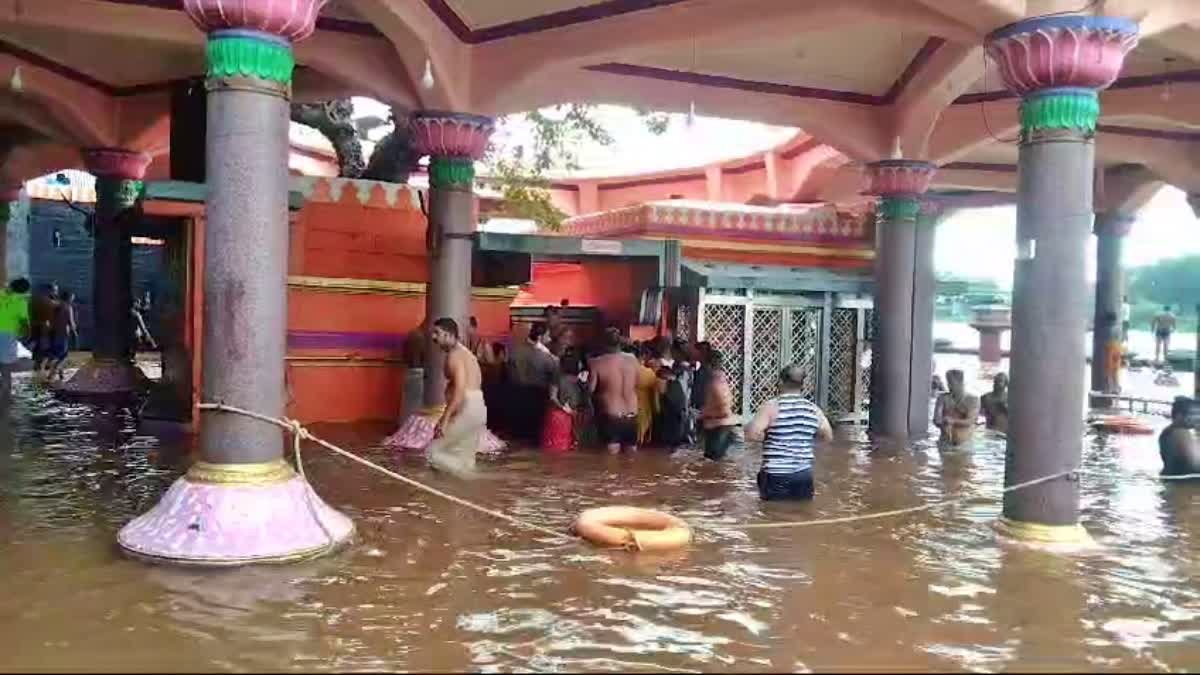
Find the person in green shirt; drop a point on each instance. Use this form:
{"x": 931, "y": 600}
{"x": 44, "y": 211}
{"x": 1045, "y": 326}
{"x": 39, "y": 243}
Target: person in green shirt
{"x": 14, "y": 324}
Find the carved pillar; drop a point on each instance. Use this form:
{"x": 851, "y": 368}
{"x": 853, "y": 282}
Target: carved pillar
{"x": 1194, "y": 201}
{"x": 453, "y": 141}
{"x": 10, "y": 196}
{"x": 111, "y": 371}
{"x": 899, "y": 395}
{"x": 1057, "y": 64}
{"x": 1107, "y": 337}
{"x": 242, "y": 503}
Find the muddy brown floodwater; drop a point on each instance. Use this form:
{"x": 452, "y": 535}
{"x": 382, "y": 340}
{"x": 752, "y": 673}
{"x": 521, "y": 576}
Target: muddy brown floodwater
{"x": 431, "y": 586}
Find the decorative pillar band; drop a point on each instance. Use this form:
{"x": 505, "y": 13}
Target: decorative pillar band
{"x": 451, "y": 173}
{"x": 1060, "y": 108}
{"x": 250, "y": 54}
{"x": 121, "y": 192}
{"x": 1057, "y": 64}
{"x": 899, "y": 208}
{"x": 118, "y": 175}
{"x": 899, "y": 183}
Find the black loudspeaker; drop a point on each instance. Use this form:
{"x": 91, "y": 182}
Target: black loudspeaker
{"x": 189, "y": 130}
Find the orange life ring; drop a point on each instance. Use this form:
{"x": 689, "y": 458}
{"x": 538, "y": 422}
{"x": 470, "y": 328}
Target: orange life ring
{"x": 632, "y": 528}
{"x": 1122, "y": 425}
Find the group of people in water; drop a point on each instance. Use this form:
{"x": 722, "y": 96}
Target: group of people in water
{"x": 545, "y": 391}
{"x": 548, "y": 392}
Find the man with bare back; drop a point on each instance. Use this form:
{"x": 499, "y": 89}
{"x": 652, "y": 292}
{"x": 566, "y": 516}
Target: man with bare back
{"x": 613, "y": 378}
{"x": 458, "y": 432}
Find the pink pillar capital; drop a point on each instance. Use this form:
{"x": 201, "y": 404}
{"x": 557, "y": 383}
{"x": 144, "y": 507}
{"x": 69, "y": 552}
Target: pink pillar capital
{"x": 292, "y": 20}
{"x": 1062, "y": 51}
{"x": 899, "y": 177}
{"x": 447, "y": 134}
{"x": 115, "y": 163}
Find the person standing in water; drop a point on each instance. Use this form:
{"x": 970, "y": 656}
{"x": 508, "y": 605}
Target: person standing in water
{"x": 788, "y": 426}
{"x": 716, "y": 417}
{"x": 1163, "y": 326}
{"x": 63, "y": 330}
{"x": 459, "y": 430}
{"x": 14, "y": 324}
{"x": 995, "y": 404}
{"x": 613, "y": 379}
{"x": 956, "y": 412}
{"x": 1177, "y": 443}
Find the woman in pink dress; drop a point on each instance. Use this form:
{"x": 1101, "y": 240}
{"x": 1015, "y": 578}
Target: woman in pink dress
{"x": 566, "y": 399}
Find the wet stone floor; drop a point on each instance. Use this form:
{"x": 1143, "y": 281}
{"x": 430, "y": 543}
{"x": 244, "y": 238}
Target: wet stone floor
{"x": 431, "y": 586}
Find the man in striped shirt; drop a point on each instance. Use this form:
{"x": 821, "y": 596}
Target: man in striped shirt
{"x": 788, "y": 427}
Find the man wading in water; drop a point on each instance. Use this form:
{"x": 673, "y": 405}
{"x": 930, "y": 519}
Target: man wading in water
{"x": 956, "y": 412}
{"x": 459, "y": 430}
{"x": 995, "y": 404}
{"x": 788, "y": 426}
{"x": 614, "y": 380}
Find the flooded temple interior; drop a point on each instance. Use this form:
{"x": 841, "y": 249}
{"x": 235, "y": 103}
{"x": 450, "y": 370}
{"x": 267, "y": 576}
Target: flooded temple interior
{"x": 146, "y": 146}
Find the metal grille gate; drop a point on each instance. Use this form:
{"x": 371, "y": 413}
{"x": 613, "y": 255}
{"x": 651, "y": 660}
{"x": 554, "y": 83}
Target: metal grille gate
{"x": 725, "y": 328}
{"x": 758, "y": 338}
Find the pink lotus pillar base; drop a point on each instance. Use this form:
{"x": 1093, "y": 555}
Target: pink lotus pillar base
{"x": 101, "y": 378}
{"x": 215, "y": 524}
{"x": 416, "y": 433}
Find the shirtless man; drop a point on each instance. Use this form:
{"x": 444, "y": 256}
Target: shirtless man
{"x": 458, "y": 431}
{"x": 995, "y": 404}
{"x": 613, "y": 377}
{"x": 720, "y": 424}
{"x": 1177, "y": 444}
{"x": 956, "y": 412}
{"x": 1163, "y": 325}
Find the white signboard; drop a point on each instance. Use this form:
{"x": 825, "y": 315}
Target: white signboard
{"x": 601, "y": 246}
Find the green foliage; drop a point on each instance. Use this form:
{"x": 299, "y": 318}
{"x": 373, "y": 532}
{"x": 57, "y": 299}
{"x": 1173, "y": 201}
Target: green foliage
{"x": 1174, "y": 282}
{"x": 526, "y": 195}
{"x": 557, "y": 132}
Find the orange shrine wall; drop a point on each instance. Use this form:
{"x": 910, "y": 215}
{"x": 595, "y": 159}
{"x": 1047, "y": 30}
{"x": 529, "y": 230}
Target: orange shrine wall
{"x": 611, "y": 286}
{"x": 352, "y": 298}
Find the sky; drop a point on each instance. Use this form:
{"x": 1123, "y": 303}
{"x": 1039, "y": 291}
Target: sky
{"x": 1165, "y": 228}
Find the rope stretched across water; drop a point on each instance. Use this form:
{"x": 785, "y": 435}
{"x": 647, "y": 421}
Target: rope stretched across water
{"x": 300, "y": 433}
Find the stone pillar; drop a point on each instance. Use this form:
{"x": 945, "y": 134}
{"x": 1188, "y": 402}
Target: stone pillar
{"x": 10, "y": 197}
{"x": 243, "y": 503}
{"x": 1057, "y": 64}
{"x": 924, "y": 302}
{"x": 453, "y": 141}
{"x": 899, "y": 395}
{"x": 992, "y": 322}
{"x": 111, "y": 373}
{"x": 1110, "y": 229}
{"x": 1194, "y": 202}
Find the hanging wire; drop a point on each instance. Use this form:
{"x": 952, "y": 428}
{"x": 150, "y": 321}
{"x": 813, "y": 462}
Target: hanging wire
{"x": 983, "y": 104}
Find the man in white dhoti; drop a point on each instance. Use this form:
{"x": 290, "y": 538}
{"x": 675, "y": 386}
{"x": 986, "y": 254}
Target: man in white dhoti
{"x": 457, "y": 435}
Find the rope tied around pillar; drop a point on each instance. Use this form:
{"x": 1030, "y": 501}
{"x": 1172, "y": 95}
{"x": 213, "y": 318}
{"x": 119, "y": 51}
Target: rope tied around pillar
{"x": 301, "y": 433}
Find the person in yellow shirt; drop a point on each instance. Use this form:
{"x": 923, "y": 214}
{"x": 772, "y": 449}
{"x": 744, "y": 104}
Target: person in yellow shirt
{"x": 14, "y": 325}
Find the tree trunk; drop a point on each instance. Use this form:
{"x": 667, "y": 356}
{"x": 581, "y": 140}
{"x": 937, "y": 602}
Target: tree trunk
{"x": 334, "y": 119}
{"x": 394, "y": 157}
